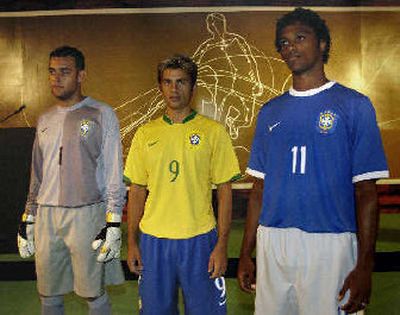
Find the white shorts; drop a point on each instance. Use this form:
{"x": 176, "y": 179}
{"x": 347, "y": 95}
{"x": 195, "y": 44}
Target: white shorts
{"x": 65, "y": 260}
{"x": 300, "y": 273}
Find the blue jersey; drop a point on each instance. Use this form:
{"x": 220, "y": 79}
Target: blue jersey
{"x": 310, "y": 148}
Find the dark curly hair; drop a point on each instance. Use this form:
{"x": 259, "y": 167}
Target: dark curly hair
{"x": 310, "y": 19}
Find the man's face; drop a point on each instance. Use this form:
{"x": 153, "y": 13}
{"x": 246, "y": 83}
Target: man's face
{"x": 64, "y": 77}
{"x": 300, "y": 48}
{"x": 176, "y": 88}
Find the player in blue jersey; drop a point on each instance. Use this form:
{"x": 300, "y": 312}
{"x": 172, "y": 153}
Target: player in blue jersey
{"x": 312, "y": 213}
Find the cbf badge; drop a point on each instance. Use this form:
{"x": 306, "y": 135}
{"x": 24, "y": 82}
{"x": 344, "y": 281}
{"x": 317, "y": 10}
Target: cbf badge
{"x": 195, "y": 140}
{"x": 327, "y": 121}
{"x": 85, "y": 127}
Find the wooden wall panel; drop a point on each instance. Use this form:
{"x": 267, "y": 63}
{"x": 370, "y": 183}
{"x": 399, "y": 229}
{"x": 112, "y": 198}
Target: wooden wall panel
{"x": 235, "y": 79}
{"x": 28, "y": 5}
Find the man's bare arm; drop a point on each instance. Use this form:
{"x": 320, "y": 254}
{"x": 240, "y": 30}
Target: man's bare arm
{"x": 246, "y": 267}
{"x": 359, "y": 281}
{"x": 136, "y": 202}
{"x": 218, "y": 259}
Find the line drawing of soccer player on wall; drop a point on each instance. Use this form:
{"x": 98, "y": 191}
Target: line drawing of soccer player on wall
{"x": 235, "y": 78}
{"x": 228, "y": 71}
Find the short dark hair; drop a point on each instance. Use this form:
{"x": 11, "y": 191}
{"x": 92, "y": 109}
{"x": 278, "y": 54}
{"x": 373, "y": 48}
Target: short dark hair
{"x": 178, "y": 61}
{"x": 309, "y": 18}
{"x": 68, "y": 51}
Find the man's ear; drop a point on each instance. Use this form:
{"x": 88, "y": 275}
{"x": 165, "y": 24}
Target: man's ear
{"x": 322, "y": 45}
{"x": 81, "y": 76}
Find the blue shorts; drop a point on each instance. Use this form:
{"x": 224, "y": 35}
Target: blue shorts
{"x": 172, "y": 263}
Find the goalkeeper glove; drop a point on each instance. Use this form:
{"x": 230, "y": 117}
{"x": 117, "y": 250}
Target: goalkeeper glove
{"x": 109, "y": 239}
{"x": 25, "y": 236}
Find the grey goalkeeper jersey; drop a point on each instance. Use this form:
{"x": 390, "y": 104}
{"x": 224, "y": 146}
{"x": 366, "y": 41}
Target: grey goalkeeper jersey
{"x": 77, "y": 159}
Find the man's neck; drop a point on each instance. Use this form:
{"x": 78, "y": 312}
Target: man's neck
{"x": 308, "y": 81}
{"x": 177, "y": 116}
{"x": 71, "y": 101}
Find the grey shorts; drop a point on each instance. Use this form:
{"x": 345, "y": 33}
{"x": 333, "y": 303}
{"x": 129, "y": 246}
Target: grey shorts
{"x": 65, "y": 260}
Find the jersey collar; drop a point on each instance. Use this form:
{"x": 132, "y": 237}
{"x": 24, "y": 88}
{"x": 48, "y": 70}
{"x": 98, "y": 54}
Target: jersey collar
{"x": 185, "y": 120}
{"x": 311, "y": 92}
{"x": 87, "y": 100}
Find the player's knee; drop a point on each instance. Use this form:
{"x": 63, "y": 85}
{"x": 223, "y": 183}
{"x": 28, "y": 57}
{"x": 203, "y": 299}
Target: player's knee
{"x": 55, "y": 300}
{"x": 102, "y": 297}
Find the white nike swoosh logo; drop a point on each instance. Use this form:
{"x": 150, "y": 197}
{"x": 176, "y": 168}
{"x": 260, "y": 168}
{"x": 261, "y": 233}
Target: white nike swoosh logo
{"x": 273, "y": 126}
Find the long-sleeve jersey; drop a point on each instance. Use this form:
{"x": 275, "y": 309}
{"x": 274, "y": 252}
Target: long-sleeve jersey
{"x": 77, "y": 159}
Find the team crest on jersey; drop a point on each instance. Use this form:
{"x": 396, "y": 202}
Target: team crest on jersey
{"x": 85, "y": 127}
{"x": 195, "y": 139}
{"x": 327, "y": 121}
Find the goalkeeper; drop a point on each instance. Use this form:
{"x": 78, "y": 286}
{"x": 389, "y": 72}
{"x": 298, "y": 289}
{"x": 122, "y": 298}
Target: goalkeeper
{"x": 73, "y": 211}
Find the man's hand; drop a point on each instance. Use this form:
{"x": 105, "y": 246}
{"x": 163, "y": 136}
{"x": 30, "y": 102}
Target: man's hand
{"x": 358, "y": 283}
{"x": 25, "y": 236}
{"x": 134, "y": 259}
{"x": 109, "y": 239}
{"x": 246, "y": 278}
{"x": 218, "y": 261}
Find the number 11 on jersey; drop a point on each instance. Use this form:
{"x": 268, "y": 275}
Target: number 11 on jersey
{"x": 299, "y": 168}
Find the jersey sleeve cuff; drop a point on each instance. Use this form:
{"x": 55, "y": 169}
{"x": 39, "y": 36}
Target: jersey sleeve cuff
{"x": 370, "y": 175}
{"x": 126, "y": 180}
{"x": 255, "y": 173}
{"x": 129, "y": 181}
{"x": 28, "y": 218}
{"x": 236, "y": 177}
{"x": 112, "y": 217}
{"x": 139, "y": 184}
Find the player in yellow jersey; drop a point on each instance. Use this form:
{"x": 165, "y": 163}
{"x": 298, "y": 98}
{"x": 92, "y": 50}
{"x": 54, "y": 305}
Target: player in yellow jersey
{"x": 172, "y": 164}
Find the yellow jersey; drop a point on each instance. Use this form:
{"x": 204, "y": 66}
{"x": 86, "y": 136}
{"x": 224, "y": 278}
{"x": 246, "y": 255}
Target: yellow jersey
{"x": 179, "y": 162}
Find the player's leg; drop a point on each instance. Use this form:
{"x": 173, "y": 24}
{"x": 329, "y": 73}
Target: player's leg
{"x": 276, "y": 274}
{"x": 328, "y": 258}
{"x": 99, "y": 305}
{"x": 52, "y": 305}
{"x": 158, "y": 287}
{"x": 81, "y": 226}
{"x": 53, "y": 265}
{"x": 201, "y": 294}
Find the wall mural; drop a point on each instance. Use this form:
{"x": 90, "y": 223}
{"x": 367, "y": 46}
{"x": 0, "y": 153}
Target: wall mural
{"x": 230, "y": 87}
{"x": 239, "y": 69}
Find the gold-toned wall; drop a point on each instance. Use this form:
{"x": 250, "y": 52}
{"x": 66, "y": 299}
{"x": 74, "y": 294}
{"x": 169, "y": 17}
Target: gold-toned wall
{"x": 236, "y": 76}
